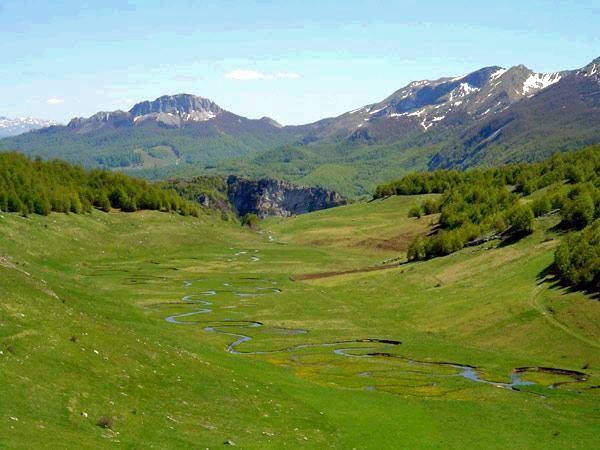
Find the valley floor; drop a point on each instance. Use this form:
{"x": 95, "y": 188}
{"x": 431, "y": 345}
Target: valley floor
{"x": 154, "y": 330}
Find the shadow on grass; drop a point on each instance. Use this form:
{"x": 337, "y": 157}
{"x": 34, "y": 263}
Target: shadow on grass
{"x": 549, "y": 275}
{"x": 508, "y": 237}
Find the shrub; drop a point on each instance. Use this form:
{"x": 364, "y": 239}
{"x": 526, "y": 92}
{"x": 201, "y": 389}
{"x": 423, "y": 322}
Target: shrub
{"x": 579, "y": 211}
{"x": 577, "y": 258}
{"x": 41, "y": 206}
{"x": 102, "y": 202}
{"x": 128, "y": 205}
{"x": 521, "y": 220}
{"x": 431, "y": 206}
{"x": 415, "y": 211}
{"x": 416, "y": 250}
{"x": 250, "y": 220}
{"x": 541, "y": 206}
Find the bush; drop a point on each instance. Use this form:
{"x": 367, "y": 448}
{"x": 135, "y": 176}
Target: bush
{"x": 416, "y": 250}
{"x": 521, "y": 220}
{"x": 128, "y": 205}
{"x": 577, "y": 258}
{"x": 498, "y": 223}
{"x": 102, "y": 202}
{"x": 415, "y": 211}
{"x": 431, "y": 207}
{"x": 541, "y": 206}
{"x": 250, "y": 220}
{"x": 41, "y": 206}
{"x": 579, "y": 211}
{"x": 445, "y": 243}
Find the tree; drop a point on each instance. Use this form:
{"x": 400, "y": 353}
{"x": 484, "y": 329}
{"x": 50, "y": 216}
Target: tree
{"x": 579, "y": 211}
{"x": 129, "y": 205}
{"x": 250, "y": 220}
{"x": 521, "y": 220}
{"x": 577, "y": 258}
{"x": 41, "y": 206}
{"x": 415, "y": 211}
{"x": 75, "y": 204}
{"x": 416, "y": 250}
{"x": 541, "y": 206}
{"x": 118, "y": 197}
{"x": 431, "y": 206}
{"x": 102, "y": 202}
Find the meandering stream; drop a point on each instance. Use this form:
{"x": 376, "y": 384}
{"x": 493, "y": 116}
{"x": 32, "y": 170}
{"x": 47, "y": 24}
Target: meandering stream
{"x": 345, "y": 348}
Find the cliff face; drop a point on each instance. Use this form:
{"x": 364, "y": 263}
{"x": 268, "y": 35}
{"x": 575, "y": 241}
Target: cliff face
{"x": 268, "y": 197}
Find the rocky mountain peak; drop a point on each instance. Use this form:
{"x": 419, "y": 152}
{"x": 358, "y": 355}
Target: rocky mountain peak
{"x": 168, "y": 110}
{"x": 592, "y": 68}
{"x": 271, "y": 121}
{"x": 183, "y": 105}
{"x": 450, "y": 100}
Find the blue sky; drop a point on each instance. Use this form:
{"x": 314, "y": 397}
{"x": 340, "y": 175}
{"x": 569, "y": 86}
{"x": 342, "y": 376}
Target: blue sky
{"x": 294, "y": 61}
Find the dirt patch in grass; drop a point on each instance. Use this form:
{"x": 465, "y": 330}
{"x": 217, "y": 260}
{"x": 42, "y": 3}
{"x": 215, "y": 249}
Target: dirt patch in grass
{"x": 314, "y": 276}
{"x": 398, "y": 242}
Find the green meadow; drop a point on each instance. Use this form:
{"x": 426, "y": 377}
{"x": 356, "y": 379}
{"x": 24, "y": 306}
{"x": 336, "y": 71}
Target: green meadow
{"x": 154, "y": 330}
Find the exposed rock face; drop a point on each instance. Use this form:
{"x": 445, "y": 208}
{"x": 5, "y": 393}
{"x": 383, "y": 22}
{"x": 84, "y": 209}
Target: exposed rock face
{"x": 176, "y": 104}
{"x": 267, "y": 197}
{"x": 168, "y": 110}
{"x": 172, "y": 110}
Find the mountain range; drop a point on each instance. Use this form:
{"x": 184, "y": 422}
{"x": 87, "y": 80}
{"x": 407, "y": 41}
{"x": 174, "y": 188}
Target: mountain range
{"x": 169, "y": 131}
{"x": 491, "y": 116}
{"x": 18, "y": 125}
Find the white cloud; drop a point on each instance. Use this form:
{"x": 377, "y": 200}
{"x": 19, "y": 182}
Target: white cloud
{"x": 241, "y": 74}
{"x": 54, "y": 101}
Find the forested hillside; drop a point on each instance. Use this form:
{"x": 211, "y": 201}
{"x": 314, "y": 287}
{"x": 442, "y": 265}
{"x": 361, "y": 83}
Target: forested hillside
{"x": 502, "y": 203}
{"x": 208, "y": 191}
{"x": 36, "y": 187}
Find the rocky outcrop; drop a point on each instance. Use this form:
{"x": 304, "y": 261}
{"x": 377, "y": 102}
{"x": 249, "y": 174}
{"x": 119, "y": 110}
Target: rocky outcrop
{"x": 267, "y": 197}
{"x": 179, "y": 104}
{"x": 168, "y": 110}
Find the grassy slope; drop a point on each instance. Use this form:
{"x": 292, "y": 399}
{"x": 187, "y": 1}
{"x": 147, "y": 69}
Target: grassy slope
{"x": 174, "y": 386}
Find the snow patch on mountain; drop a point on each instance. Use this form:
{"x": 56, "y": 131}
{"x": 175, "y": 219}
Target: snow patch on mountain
{"x": 497, "y": 74}
{"x": 467, "y": 89}
{"x": 18, "y": 125}
{"x": 354, "y": 111}
{"x": 539, "y": 81}
{"x": 375, "y": 111}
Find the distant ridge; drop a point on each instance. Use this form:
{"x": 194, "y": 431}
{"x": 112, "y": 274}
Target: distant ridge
{"x": 171, "y": 130}
{"x": 18, "y": 125}
{"x": 493, "y": 115}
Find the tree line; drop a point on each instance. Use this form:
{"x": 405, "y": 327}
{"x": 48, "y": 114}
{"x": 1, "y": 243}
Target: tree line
{"x": 39, "y": 187}
{"x": 503, "y": 202}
